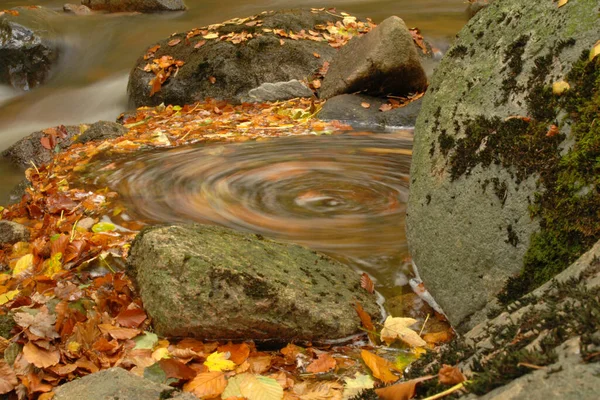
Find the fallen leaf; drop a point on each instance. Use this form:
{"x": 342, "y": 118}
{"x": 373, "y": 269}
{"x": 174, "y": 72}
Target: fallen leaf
{"x": 401, "y": 391}
{"x": 323, "y": 363}
{"x": 174, "y": 42}
{"x": 317, "y": 55}
{"x": 24, "y": 264}
{"x": 176, "y": 369}
{"x": 131, "y": 318}
{"x": 253, "y": 387}
{"x": 211, "y": 36}
{"x": 103, "y": 227}
{"x": 119, "y": 333}
{"x": 552, "y": 131}
{"x": 8, "y": 296}
{"x": 40, "y": 357}
{"x": 219, "y": 362}
{"x": 316, "y": 83}
{"x": 381, "y": 368}
{"x": 595, "y": 50}
{"x": 365, "y": 105}
{"x": 146, "y": 341}
{"x": 360, "y": 382}
{"x": 40, "y": 324}
{"x": 560, "y": 87}
{"x": 200, "y": 44}
{"x": 438, "y": 337}
{"x": 398, "y": 328}
{"x": 366, "y": 283}
{"x": 385, "y": 107}
{"x": 238, "y": 353}
{"x": 207, "y": 385}
{"x": 212, "y": 79}
{"x": 562, "y": 3}
{"x": 8, "y": 378}
{"x": 449, "y": 375}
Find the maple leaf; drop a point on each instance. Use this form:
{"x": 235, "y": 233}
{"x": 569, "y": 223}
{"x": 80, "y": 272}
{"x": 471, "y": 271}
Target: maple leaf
{"x": 253, "y": 387}
{"x": 381, "y": 368}
{"x": 323, "y": 363}
{"x": 398, "y": 328}
{"x": 219, "y": 362}
{"x": 207, "y": 385}
{"x": 449, "y": 375}
{"x": 8, "y": 378}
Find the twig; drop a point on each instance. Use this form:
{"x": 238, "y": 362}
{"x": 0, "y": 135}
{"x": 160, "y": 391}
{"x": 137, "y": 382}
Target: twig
{"x": 445, "y": 393}
{"x": 424, "y": 323}
{"x": 36, "y": 168}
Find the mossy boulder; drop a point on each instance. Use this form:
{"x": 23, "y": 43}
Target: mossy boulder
{"x": 504, "y": 189}
{"x": 146, "y": 6}
{"x": 215, "y": 283}
{"x": 28, "y": 46}
{"x": 224, "y": 70}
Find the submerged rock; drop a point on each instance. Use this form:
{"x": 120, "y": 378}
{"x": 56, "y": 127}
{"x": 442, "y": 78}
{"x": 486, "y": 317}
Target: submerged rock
{"x": 77, "y": 9}
{"x": 223, "y": 70}
{"x": 28, "y": 49}
{"x": 11, "y": 232}
{"x": 382, "y": 62}
{"x": 101, "y": 130}
{"x": 350, "y": 109}
{"x": 489, "y": 169}
{"x": 117, "y": 383}
{"x": 216, "y": 283}
{"x": 146, "y": 6}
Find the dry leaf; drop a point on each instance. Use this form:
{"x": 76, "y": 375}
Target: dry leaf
{"x": 41, "y": 324}
{"x": 401, "y": 391}
{"x": 212, "y": 79}
{"x": 365, "y": 105}
{"x": 317, "y": 55}
{"x": 131, "y": 318}
{"x": 176, "y": 369}
{"x": 562, "y": 3}
{"x": 316, "y": 84}
{"x": 39, "y": 357}
{"x": 450, "y": 375}
{"x": 560, "y": 87}
{"x": 174, "y": 42}
{"x": 200, "y": 44}
{"x": 366, "y": 283}
{"x": 381, "y": 368}
{"x": 385, "y": 107}
{"x": 8, "y": 378}
{"x": 207, "y": 385}
{"x": 438, "y": 337}
{"x": 552, "y": 131}
{"x": 119, "y": 333}
{"x": 238, "y": 353}
{"x": 595, "y": 50}
{"x": 323, "y": 363}
{"x": 398, "y": 328}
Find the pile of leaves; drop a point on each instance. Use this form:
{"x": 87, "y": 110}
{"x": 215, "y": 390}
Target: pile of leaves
{"x": 68, "y": 309}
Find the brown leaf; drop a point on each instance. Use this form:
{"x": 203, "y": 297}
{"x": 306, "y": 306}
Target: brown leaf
{"x": 212, "y": 79}
{"x": 317, "y": 55}
{"x": 385, "y": 107}
{"x": 366, "y": 283}
{"x": 48, "y": 142}
{"x": 450, "y": 375}
{"x": 438, "y": 337}
{"x": 238, "y": 353}
{"x": 365, "y": 105}
{"x": 119, "y": 333}
{"x": 381, "y": 368}
{"x": 401, "y": 391}
{"x": 42, "y": 324}
{"x": 323, "y": 363}
{"x": 365, "y": 318}
{"x": 174, "y": 42}
{"x": 131, "y": 318}
{"x": 207, "y": 385}
{"x": 281, "y": 42}
{"x": 176, "y": 369}
{"x": 259, "y": 364}
{"x": 39, "y": 357}
{"x": 316, "y": 83}
{"x": 200, "y": 44}
{"x": 8, "y": 378}
{"x": 552, "y": 131}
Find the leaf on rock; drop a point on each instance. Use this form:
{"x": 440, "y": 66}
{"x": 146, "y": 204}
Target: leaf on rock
{"x": 174, "y": 42}
{"x": 207, "y": 385}
{"x": 449, "y": 375}
{"x": 366, "y": 283}
{"x": 560, "y": 87}
{"x": 595, "y": 50}
{"x": 40, "y": 357}
{"x": 323, "y": 363}
{"x": 8, "y": 378}
{"x": 381, "y": 368}
{"x": 253, "y": 387}
{"x": 398, "y": 328}
{"x": 219, "y": 362}
{"x": 364, "y": 104}
{"x": 353, "y": 386}
{"x": 385, "y": 107}
{"x": 438, "y": 337}
{"x": 562, "y": 3}
{"x": 399, "y": 391}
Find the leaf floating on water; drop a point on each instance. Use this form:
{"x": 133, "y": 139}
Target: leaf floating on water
{"x": 366, "y": 283}
{"x": 398, "y": 328}
{"x": 381, "y": 368}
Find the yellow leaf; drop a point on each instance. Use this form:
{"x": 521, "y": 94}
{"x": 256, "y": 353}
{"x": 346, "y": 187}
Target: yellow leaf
{"x": 211, "y": 35}
{"x": 24, "y": 263}
{"x": 595, "y": 50}
{"x": 73, "y": 347}
{"x": 219, "y": 362}
{"x": 161, "y": 353}
{"x": 562, "y": 3}
{"x": 380, "y": 367}
{"x": 398, "y": 328}
{"x": 53, "y": 265}
{"x": 560, "y": 87}
{"x": 8, "y": 296}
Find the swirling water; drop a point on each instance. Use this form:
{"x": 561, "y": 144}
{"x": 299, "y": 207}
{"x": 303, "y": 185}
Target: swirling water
{"x": 344, "y": 195}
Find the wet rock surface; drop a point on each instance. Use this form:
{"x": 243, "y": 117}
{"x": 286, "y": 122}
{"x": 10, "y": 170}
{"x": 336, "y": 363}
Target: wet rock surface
{"x": 384, "y": 61}
{"x": 28, "y": 47}
{"x": 117, "y": 383}
{"x": 211, "y": 282}
{"x": 474, "y": 182}
{"x": 101, "y": 130}
{"x": 226, "y": 71}
{"x": 146, "y": 6}
{"x": 11, "y": 232}
{"x": 350, "y": 109}
{"x": 278, "y": 91}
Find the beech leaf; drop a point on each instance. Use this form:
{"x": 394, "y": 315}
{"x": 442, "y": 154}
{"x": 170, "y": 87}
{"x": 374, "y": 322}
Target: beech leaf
{"x": 207, "y": 385}
{"x": 253, "y": 387}
{"x": 449, "y": 375}
{"x": 40, "y": 357}
{"x": 381, "y": 368}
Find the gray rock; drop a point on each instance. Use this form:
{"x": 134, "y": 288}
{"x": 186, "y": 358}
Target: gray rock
{"x": 215, "y": 283}
{"x": 348, "y": 108}
{"x": 117, "y": 383}
{"x": 382, "y": 62}
{"x": 28, "y": 49}
{"x": 469, "y": 223}
{"x": 11, "y": 232}
{"x": 77, "y": 9}
{"x": 101, "y": 130}
{"x": 18, "y": 191}
{"x": 237, "y": 68}
{"x": 147, "y": 6}
{"x": 30, "y": 149}
{"x": 278, "y": 91}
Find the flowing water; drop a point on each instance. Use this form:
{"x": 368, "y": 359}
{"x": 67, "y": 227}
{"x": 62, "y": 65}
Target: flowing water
{"x": 342, "y": 194}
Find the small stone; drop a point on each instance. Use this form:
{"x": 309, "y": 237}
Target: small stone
{"x": 102, "y": 130}
{"x": 11, "y": 232}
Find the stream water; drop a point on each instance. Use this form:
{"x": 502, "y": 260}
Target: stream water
{"x": 342, "y": 194}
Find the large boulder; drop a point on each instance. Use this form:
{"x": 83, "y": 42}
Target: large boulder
{"x": 147, "y": 6}
{"x": 503, "y": 184}
{"x": 28, "y": 46}
{"x": 117, "y": 383}
{"x": 215, "y": 283}
{"x": 382, "y": 62}
{"x": 225, "y": 61}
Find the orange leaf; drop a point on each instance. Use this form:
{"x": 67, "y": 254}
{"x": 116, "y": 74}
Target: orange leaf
{"x": 365, "y": 105}
{"x": 39, "y": 357}
{"x": 364, "y": 317}
{"x": 317, "y": 55}
{"x": 200, "y": 44}
{"x": 238, "y": 353}
{"x": 8, "y": 379}
{"x": 176, "y": 369}
{"x": 131, "y": 318}
{"x": 366, "y": 283}
{"x": 381, "y": 368}
{"x": 385, "y": 107}
{"x": 119, "y": 333}
{"x": 174, "y": 42}
{"x": 438, "y": 337}
{"x": 207, "y": 385}
{"x": 212, "y": 79}
{"x": 553, "y": 131}
{"x": 259, "y": 364}
{"x": 323, "y": 363}
{"x": 290, "y": 352}
{"x": 450, "y": 375}
{"x": 401, "y": 391}
{"x": 316, "y": 84}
